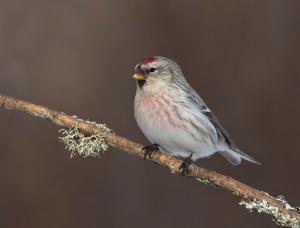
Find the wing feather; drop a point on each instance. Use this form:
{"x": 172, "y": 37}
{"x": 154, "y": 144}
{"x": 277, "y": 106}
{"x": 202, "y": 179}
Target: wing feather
{"x": 221, "y": 132}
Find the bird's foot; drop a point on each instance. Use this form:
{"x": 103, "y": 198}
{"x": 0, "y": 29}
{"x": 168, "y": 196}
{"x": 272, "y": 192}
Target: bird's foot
{"x": 149, "y": 149}
{"x": 184, "y": 167}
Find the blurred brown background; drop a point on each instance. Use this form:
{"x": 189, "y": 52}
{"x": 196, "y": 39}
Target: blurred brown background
{"x": 77, "y": 57}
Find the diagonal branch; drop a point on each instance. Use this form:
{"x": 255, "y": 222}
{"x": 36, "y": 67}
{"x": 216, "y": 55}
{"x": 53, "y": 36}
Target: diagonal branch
{"x": 252, "y": 198}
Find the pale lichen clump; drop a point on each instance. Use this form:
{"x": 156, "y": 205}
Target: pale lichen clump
{"x": 85, "y": 145}
{"x": 279, "y": 217}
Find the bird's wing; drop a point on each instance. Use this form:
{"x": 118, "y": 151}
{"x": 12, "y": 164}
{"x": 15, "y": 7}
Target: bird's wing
{"x": 221, "y": 132}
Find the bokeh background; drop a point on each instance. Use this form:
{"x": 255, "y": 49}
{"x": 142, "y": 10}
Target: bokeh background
{"x": 77, "y": 57}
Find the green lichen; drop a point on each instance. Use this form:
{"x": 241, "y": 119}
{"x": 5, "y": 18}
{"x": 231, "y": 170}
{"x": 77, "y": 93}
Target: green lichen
{"x": 279, "y": 217}
{"x": 85, "y": 145}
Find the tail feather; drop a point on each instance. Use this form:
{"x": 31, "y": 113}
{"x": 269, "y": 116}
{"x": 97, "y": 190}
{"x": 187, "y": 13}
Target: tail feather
{"x": 235, "y": 157}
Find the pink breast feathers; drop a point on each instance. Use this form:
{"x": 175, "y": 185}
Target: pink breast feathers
{"x": 159, "y": 109}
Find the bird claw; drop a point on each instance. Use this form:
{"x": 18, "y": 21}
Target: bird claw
{"x": 149, "y": 149}
{"x": 184, "y": 167}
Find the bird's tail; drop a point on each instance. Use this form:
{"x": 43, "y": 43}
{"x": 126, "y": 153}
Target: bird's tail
{"x": 235, "y": 156}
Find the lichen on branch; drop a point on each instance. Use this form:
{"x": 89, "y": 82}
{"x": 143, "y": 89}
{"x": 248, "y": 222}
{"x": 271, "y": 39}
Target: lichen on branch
{"x": 82, "y": 144}
{"x": 279, "y": 217}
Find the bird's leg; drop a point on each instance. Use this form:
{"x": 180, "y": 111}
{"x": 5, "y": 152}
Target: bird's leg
{"x": 149, "y": 149}
{"x": 184, "y": 167}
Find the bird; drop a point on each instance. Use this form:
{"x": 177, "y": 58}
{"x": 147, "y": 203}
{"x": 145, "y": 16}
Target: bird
{"x": 175, "y": 119}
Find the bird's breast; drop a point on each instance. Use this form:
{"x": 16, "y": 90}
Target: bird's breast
{"x": 156, "y": 110}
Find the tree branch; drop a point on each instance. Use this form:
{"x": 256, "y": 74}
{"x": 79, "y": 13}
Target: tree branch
{"x": 252, "y": 198}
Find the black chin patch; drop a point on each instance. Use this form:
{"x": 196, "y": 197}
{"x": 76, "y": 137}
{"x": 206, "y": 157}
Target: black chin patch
{"x": 141, "y": 83}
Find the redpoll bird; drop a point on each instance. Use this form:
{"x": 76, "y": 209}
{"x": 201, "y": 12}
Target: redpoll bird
{"x": 174, "y": 117}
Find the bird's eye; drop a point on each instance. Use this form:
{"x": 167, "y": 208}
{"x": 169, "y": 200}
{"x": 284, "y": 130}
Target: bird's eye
{"x": 152, "y": 69}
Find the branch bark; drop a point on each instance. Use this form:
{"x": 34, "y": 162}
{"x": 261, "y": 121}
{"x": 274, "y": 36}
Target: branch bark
{"x": 226, "y": 182}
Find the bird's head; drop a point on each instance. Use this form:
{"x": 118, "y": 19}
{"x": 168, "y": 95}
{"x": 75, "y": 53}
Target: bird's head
{"x": 157, "y": 72}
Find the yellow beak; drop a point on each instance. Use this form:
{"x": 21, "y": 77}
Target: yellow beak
{"x": 138, "y": 77}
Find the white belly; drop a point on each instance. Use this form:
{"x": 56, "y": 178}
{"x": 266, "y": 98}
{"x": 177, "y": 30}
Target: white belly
{"x": 161, "y": 125}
